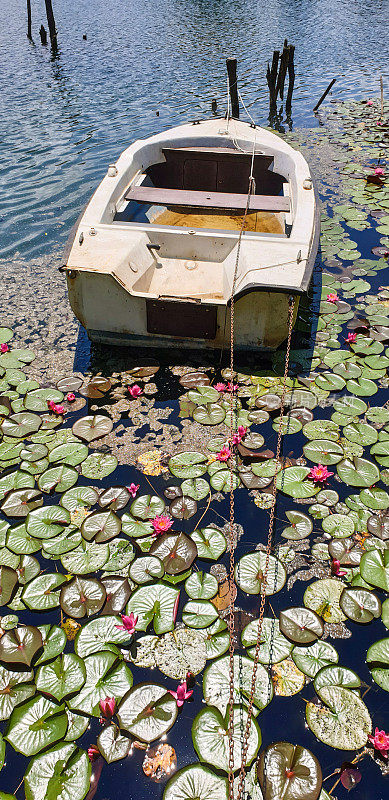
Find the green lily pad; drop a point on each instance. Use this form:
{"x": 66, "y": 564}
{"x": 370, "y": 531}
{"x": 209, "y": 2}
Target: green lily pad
{"x": 359, "y": 604}
{"x": 196, "y": 782}
{"x": 188, "y": 464}
{"x": 98, "y": 465}
{"x": 216, "y": 683}
{"x": 92, "y": 427}
{"x": 323, "y": 597}
{"x": 61, "y": 677}
{"x": 103, "y": 633}
{"x": 106, "y": 676}
{"x": 20, "y": 645}
{"x": 42, "y": 594}
{"x": 199, "y": 614}
{"x": 250, "y": 573}
{"x": 289, "y": 772}
{"x": 201, "y": 586}
{"x": 311, "y": 659}
{"x": 292, "y": 481}
{"x": 147, "y": 712}
{"x": 374, "y": 568}
{"x": 35, "y": 725}
{"x": 210, "y": 543}
{"x": 344, "y": 722}
{"x": 82, "y": 597}
{"x": 71, "y": 453}
{"x": 274, "y": 646}
{"x": 113, "y": 746}
{"x": 47, "y": 522}
{"x": 334, "y": 675}
{"x": 15, "y": 688}
{"x": 212, "y": 746}
{"x": 156, "y": 603}
{"x": 301, "y": 625}
{"x": 87, "y": 557}
{"x": 176, "y": 551}
{"x": 58, "y": 479}
{"x": 64, "y": 771}
{"x": 358, "y": 472}
{"x": 378, "y": 662}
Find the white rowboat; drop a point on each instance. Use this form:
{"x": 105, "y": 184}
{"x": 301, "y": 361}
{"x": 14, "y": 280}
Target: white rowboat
{"x": 154, "y": 254}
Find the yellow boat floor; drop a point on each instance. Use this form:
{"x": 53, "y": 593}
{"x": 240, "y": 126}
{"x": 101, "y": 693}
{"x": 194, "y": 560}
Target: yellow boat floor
{"x": 256, "y": 221}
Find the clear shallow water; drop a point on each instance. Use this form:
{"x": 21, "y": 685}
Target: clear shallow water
{"x": 65, "y": 117}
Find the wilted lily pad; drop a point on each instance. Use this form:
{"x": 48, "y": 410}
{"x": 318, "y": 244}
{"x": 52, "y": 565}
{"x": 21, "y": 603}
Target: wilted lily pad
{"x": 343, "y": 722}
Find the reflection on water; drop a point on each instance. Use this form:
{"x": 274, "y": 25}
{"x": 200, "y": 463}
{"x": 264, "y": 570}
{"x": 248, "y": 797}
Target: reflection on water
{"x": 66, "y": 115}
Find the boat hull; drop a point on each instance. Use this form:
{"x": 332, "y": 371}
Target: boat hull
{"x": 111, "y": 315}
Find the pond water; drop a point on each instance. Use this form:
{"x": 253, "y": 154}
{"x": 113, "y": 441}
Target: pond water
{"x": 76, "y": 111}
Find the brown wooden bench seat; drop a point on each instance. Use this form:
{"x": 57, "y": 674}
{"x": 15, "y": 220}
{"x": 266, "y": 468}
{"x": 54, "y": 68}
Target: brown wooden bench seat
{"x": 184, "y": 197}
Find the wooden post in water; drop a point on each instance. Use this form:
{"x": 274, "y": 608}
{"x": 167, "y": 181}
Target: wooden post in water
{"x": 282, "y": 71}
{"x": 51, "y": 23}
{"x": 29, "y": 33}
{"x": 233, "y": 86}
{"x": 43, "y": 34}
{"x": 324, "y": 95}
{"x": 271, "y": 77}
{"x": 291, "y": 76}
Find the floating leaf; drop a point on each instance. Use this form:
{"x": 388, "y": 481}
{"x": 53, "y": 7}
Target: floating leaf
{"x": 47, "y": 522}
{"x": 292, "y": 481}
{"x": 216, "y": 683}
{"x": 101, "y": 526}
{"x": 339, "y": 525}
{"x": 181, "y": 651}
{"x": 323, "y": 596}
{"x": 188, "y": 465}
{"x": 301, "y": 625}
{"x": 79, "y": 497}
{"x": 42, "y": 593}
{"x": 36, "y": 724}
{"x": 183, "y": 508}
{"x": 251, "y": 569}
{"x": 147, "y": 506}
{"x": 64, "y": 771}
{"x": 87, "y": 557}
{"x": 274, "y": 647}
{"x": 378, "y": 662}
{"x": 20, "y": 645}
{"x": 82, "y": 597}
{"x": 358, "y": 472}
{"x": 147, "y": 711}
{"x": 196, "y": 782}
{"x": 61, "y": 677}
{"x": 201, "y": 586}
{"x": 287, "y": 678}
{"x": 92, "y": 427}
{"x": 156, "y": 603}
{"x": 104, "y": 633}
{"x": 344, "y": 723}
{"x": 71, "y": 453}
{"x": 15, "y": 688}
{"x": 176, "y": 551}
{"x": 374, "y": 568}
{"x": 199, "y": 614}
{"x": 20, "y": 425}
{"x": 20, "y": 502}
{"x": 323, "y": 451}
{"x": 289, "y": 772}
{"x": 98, "y": 465}
{"x": 54, "y": 640}
{"x": 336, "y": 676}
{"x": 106, "y": 676}
{"x": 311, "y": 659}
{"x": 115, "y": 498}
{"x": 300, "y": 526}
{"x": 210, "y": 543}
{"x": 212, "y": 747}
{"x": 113, "y": 746}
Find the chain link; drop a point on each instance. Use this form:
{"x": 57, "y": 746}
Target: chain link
{"x": 231, "y": 581}
{"x": 242, "y": 771}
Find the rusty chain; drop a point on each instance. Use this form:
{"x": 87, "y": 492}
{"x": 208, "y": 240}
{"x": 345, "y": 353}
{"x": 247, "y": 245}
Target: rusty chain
{"x": 242, "y": 771}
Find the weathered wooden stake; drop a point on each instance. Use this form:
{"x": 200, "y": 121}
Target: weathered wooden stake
{"x": 291, "y": 76}
{"x": 282, "y": 71}
{"x": 271, "y": 77}
{"x": 233, "y": 86}
{"x": 51, "y": 23}
{"x": 382, "y": 98}
{"x": 29, "y": 33}
{"x": 324, "y": 95}
{"x": 43, "y": 34}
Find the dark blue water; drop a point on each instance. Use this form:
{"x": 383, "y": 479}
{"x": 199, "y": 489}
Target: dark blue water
{"x": 65, "y": 116}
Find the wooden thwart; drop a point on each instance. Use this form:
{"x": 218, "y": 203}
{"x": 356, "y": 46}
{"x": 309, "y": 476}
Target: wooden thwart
{"x": 181, "y": 197}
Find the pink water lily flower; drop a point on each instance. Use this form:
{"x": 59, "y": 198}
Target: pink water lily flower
{"x": 237, "y": 437}
{"x": 335, "y": 568}
{"x": 108, "y": 706}
{"x": 50, "y": 404}
{"x": 182, "y": 693}
{"x": 379, "y": 171}
{"x": 223, "y": 454}
{"x": 93, "y": 752}
{"x": 319, "y": 474}
{"x": 332, "y": 298}
{"x": 4, "y": 348}
{"x": 70, "y": 397}
{"x": 129, "y": 622}
{"x": 59, "y": 410}
{"x": 221, "y": 387}
{"x": 232, "y": 387}
{"x": 135, "y": 390}
{"x": 133, "y": 488}
{"x": 369, "y": 102}
{"x": 380, "y": 741}
{"x": 351, "y": 337}
{"x": 161, "y": 524}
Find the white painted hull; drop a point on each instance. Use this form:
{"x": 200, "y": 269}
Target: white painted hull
{"x": 122, "y": 294}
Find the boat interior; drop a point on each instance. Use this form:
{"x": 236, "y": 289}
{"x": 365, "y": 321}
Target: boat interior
{"x": 203, "y": 190}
